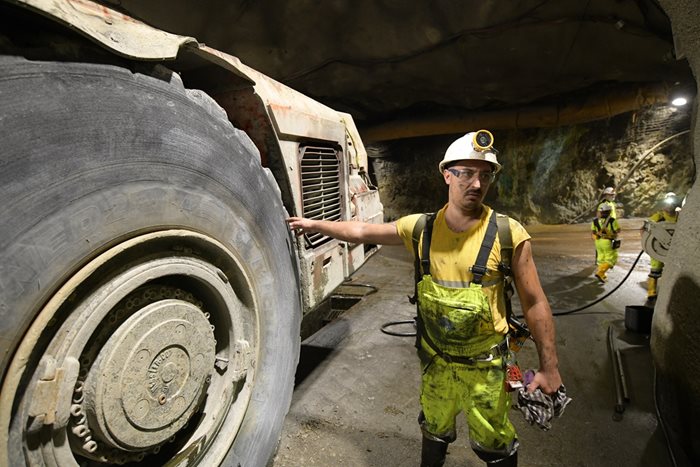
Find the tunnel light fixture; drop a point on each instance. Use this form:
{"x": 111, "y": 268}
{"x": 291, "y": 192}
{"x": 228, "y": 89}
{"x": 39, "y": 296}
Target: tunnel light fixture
{"x": 679, "y": 101}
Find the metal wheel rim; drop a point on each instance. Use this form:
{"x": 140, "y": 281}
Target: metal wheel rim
{"x": 230, "y": 385}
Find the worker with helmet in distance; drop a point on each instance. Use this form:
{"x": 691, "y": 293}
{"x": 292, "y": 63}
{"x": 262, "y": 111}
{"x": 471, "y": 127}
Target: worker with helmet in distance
{"x": 671, "y": 206}
{"x": 604, "y": 231}
{"x": 609, "y": 200}
{"x": 463, "y": 365}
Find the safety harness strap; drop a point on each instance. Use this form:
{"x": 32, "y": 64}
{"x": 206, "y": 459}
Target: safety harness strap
{"x": 498, "y": 224}
{"x": 479, "y": 268}
{"x": 415, "y": 238}
{"x": 427, "y": 238}
{"x": 608, "y": 223}
{"x": 506, "y": 240}
{"x": 418, "y": 229}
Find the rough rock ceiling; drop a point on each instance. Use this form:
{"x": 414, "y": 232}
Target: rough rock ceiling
{"x": 405, "y": 61}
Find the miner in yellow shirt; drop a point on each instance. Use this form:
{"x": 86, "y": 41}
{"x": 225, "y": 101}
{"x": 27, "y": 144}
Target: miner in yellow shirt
{"x": 466, "y": 319}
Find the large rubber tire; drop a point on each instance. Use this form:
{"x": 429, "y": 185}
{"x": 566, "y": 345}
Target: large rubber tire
{"x": 95, "y": 157}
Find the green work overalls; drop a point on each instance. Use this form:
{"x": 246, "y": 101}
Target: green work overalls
{"x": 462, "y": 358}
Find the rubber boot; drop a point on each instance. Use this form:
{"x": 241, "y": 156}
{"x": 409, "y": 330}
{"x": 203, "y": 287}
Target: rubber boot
{"x": 600, "y": 273}
{"x": 495, "y": 460}
{"x": 510, "y": 461}
{"x": 651, "y": 292}
{"x": 651, "y": 288}
{"x": 433, "y": 453}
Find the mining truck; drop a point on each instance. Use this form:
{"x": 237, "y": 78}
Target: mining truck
{"x": 151, "y": 293}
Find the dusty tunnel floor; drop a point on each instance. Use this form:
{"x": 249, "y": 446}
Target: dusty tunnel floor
{"x": 356, "y": 398}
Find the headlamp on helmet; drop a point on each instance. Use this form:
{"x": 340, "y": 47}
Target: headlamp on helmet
{"x": 672, "y": 202}
{"x": 482, "y": 141}
{"x": 477, "y": 145}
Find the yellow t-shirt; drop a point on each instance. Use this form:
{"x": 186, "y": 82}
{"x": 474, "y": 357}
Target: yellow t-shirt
{"x": 453, "y": 253}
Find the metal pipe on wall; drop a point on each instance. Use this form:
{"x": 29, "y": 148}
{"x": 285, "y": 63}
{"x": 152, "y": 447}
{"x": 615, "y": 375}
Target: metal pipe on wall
{"x": 614, "y": 101}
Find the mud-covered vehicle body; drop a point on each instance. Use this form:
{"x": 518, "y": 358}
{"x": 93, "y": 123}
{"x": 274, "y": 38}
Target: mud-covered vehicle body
{"x": 151, "y": 293}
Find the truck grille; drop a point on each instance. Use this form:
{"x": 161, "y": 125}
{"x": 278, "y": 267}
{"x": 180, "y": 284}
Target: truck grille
{"x": 320, "y": 187}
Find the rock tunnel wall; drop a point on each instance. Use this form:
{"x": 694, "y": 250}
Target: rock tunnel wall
{"x": 676, "y": 323}
{"x": 552, "y": 175}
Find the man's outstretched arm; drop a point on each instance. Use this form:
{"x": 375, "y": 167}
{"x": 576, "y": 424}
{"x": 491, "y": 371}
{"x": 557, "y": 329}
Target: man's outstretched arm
{"x": 348, "y": 231}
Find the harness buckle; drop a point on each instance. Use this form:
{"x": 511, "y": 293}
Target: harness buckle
{"x": 487, "y": 358}
{"x": 506, "y": 270}
{"x": 498, "y": 350}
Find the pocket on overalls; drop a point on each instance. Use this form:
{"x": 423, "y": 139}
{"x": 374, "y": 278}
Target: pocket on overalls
{"x": 455, "y": 317}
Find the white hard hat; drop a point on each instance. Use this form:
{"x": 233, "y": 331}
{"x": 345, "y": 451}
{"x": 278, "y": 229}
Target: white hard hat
{"x": 609, "y": 191}
{"x": 477, "y": 145}
{"x": 672, "y": 201}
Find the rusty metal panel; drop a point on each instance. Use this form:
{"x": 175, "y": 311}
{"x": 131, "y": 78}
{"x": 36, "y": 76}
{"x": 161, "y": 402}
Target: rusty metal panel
{"x": 117, "y": 32}
{"x": 290, "y": 123}
{"x": 321, "y": 271}
{"x": 368, "y": 207}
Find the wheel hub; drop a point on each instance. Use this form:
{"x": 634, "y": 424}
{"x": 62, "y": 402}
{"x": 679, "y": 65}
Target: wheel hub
{"x": 150, "y": 376}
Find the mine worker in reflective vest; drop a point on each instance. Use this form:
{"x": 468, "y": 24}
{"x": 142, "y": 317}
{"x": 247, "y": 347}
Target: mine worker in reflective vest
{"x": 463, "y": 349}
{"x": 670, "y": 208}
{"x": 604, "y": 231}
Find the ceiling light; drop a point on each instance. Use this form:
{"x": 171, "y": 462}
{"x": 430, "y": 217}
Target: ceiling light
{"x": 678, "y": 101}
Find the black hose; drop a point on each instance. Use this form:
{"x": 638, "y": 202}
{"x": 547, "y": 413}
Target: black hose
{"x": 568, "y": 312}
{"x": 385, "y": 327}
{"x": 350, "y": 283}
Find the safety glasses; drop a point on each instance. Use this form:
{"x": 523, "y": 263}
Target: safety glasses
{"x": 468, "y": 175}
